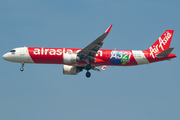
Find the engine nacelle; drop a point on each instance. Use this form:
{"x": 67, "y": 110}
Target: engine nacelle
{"x": 71, "y": 70}
{"x": 70, "y": 58}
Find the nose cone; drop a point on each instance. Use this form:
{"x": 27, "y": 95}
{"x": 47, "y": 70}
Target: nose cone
{"x": 5, "y": 56}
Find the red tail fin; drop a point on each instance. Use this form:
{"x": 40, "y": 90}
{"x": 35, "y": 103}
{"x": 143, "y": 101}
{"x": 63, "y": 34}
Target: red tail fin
{"x": 162, "y": 43}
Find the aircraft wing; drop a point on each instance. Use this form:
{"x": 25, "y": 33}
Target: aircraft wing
{"x": 91, "y": 50}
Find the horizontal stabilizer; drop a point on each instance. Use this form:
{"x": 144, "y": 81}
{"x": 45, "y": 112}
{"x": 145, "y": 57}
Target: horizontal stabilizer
{"x": 168, "y": 59}
{"x": 165, "y": 53}
{"x": 104, "y": 67}
{"x": 98, "y": 69}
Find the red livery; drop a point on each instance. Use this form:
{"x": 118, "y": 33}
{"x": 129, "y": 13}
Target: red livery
{"x": 75, "y": 60}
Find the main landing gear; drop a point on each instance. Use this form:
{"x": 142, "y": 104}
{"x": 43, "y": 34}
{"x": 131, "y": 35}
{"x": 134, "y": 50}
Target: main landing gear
{"x": 22, "y": 68}
{"x": 88, "y": 67}
{"x": 88, "y": 74}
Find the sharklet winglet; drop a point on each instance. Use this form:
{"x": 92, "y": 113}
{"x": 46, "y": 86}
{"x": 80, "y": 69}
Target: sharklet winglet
{"x": 108, "y": 30}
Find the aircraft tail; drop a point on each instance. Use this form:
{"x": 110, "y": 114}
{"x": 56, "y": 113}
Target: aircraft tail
{"x": 161, "y": 44}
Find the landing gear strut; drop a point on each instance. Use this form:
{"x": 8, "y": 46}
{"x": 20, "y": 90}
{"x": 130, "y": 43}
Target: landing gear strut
{"x": 22, "y": 68}
{"x": 88, "y": 67}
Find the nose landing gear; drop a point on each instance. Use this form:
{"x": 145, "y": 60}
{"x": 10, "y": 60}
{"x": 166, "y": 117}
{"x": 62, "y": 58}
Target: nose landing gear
{"x": 22, "y": 68}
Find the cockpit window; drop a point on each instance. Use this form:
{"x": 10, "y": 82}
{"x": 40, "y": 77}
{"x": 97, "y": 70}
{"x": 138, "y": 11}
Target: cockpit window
{"x": 13, "y": 51}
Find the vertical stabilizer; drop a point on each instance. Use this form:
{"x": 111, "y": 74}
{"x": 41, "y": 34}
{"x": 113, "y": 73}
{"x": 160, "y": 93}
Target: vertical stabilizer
{"x": 161, "y": 44}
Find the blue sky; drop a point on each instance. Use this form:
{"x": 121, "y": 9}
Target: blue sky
{"x": 42, "y": 91}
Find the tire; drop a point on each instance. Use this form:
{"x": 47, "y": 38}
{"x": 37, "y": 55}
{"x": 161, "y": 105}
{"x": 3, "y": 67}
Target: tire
{"x": 21, "y": 69}
{"x": 88, "y": 74}
{"x": 88, "y": 66}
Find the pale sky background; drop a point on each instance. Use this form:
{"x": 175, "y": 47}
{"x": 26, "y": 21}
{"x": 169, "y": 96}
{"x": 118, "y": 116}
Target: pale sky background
{"x": 42, "y": 92}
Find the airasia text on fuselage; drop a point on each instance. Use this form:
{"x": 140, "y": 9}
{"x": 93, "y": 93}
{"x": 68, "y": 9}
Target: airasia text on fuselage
{"x": 58, "y": 51}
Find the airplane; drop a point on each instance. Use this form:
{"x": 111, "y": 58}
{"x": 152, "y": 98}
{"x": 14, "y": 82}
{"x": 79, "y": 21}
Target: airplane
{"x": 75, "y": 60}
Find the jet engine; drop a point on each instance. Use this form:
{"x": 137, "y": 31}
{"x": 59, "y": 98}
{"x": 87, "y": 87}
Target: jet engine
{"x": 70, "y": 58}
{"x": 71, "y": 70}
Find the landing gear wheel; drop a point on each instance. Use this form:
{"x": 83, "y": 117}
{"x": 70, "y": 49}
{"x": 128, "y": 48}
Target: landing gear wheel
{"x": 21, "y": 69}
{"x": 88, "y": 66}
{"x": 88, "y": 74}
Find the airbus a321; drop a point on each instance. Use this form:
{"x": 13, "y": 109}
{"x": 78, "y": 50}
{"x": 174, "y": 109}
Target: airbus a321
{"x": 89, "y": 58}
